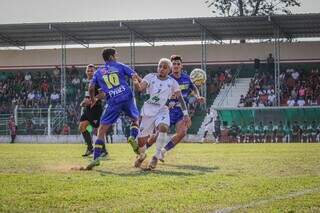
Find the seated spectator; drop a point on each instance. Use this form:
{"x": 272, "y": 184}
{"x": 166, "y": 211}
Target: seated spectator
{"x": 30, "y": 100}
{"x": 301, "y": 102}
{"x": 291, "y": 101}
{"x": 55, "y": 97}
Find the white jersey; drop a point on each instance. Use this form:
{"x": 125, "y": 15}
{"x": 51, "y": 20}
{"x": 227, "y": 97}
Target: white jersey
{"x": 160, "y": 91}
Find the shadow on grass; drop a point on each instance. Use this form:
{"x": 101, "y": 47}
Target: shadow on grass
{"x": 145, "y": 173}
{"x": 193, "y": 170}
{"x": 202, "y": 169}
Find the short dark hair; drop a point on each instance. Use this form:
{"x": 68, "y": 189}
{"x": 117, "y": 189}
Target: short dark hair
{"x": 107, "y": 53}
{"x": 90, "y": 65}
{"x": 176, "y": 58}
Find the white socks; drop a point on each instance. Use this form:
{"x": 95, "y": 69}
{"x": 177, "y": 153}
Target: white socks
{"x": 160, "y": 143}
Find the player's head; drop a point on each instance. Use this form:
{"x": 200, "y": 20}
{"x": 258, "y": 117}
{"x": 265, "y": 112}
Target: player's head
{"x": 109, "y": 54}
{"x": 164, "y": 67}
{"x": 90, "y": 71}
{"x": 176, "y": 64}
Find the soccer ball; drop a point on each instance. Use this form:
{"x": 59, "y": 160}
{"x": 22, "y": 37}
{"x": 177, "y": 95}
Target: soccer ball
{"x": 198, "y": 77}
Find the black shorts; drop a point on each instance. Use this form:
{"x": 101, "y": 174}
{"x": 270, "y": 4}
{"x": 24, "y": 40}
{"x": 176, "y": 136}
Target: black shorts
{"x": 92, "y": 115}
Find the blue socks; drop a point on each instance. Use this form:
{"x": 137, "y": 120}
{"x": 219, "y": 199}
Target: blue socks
{"x": 98, "y": 148}
{"x": 134, "y": 130}
{"x": 169, "y": 145}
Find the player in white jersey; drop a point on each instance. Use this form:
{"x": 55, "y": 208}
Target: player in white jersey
{"x": 154, "y": 113}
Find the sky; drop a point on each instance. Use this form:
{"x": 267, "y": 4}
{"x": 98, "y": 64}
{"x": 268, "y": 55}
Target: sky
{"x": 43, "y": 11}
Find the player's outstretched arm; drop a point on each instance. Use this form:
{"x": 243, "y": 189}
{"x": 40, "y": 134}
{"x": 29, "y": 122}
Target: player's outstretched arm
{"x": 196, "y": 93}
{"x": 184, "y": 108}
{"x": 138, "y": 84}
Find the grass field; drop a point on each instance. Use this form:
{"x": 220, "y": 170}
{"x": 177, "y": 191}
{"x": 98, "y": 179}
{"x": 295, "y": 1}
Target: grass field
{"x": 195, "y": 178}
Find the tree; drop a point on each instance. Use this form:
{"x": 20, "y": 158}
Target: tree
{"x": 251, "y": 7}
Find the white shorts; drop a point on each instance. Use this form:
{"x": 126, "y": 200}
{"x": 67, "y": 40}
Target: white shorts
{"x": 209, "y": 128}
{"x": 149, "y": 123}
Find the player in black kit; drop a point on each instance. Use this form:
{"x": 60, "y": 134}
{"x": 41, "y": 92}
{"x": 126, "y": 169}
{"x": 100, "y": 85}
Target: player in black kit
{"x": 91, "y": 112}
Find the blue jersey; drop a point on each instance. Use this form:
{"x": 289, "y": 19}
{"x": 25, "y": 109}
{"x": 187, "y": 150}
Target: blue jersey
{"x": 111, "y": 78}
{"x": 186, "y": 87}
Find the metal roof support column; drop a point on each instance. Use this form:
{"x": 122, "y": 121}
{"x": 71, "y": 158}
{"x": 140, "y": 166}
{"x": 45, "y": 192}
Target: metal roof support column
{"x": 132, "y": 50}
{"x": 277, "y": 65}
{"x": 63, "y": 73}
{"x": 132, "y": 57}
{"x": 203, "y": 90}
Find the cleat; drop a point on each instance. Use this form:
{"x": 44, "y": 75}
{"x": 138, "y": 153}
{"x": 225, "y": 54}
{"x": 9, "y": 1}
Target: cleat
{"x": 153, "y": 163}
{"x": 161, "y": 157}
{"x": 134, "y": 145}
{"x": 93, "y": 164}
{"x": 104, "y": 156}
{"x": 139, "y": 160}
{"x": 88, "y": 153}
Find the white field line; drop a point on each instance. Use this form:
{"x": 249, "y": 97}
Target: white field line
{"x": 273, "y": 199}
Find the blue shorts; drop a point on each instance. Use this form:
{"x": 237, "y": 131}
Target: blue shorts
{"x": 113, "y": 111}
{"x": 176, "y": 115}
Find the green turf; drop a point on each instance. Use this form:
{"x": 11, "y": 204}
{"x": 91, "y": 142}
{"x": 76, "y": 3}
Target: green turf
{"x": 195, "y": 178}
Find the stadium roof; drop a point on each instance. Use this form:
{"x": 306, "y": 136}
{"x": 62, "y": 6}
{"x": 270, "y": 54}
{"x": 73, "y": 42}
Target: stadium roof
{"x": 160, "y": 30}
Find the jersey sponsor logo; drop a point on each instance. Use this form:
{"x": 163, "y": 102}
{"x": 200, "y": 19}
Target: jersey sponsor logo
{"x": 153, "y": 100}
{"x": 117, "y": 91}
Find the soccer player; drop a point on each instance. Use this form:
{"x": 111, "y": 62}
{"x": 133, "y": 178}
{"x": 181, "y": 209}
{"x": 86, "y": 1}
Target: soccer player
{"x": 155, "y": 114}
{"x": 176, "y": 115}
{"x": 279, "y": 133}
{"x": 250, "y": 133}
{"x": 208, "y": 126}
{"x": 233, "y": 132}
{"x": 296, "y": 132}
{"x": 268, "y": 133}
{"x": 318, "y": 134}
{"x": 287, "y": 132}
{"x": 242, "y": 135}
{"x": 90, "y": 115}
{"x": 125, "y": 124}
{"x": 109, "y": 136}
{"x": 312, "y": 130}
{"x": 12, "y": 128}
{"x": 111, "y": 78}
{"x": 304, "y": 132}
{"x": 217, "y": 129}
{"x": 259, "y": 132}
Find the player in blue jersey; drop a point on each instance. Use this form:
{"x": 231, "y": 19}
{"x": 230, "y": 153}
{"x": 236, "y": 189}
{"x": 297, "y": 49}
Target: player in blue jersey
{"x": 176, "y": 114}
{"x": 111, "y": 78}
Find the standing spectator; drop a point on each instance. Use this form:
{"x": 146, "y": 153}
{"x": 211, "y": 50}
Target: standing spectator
{"x": 270, "y": 63}
{"x": 65, "y": 130}
{"x": 12, "y": 128}
{"x": 295, "y": 75}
